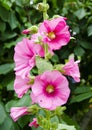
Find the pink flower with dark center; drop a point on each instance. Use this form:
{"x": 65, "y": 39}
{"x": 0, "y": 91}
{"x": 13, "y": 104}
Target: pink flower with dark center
{"x": 50, "y": 90}
{"x": 17, "y": 112}
{"x": 21, "y": 86}
{"x": 71, "y": 69}
{"x": 24, "y": 57}
{"x": 55, "y": 33}
{"x": 34, "y": 123}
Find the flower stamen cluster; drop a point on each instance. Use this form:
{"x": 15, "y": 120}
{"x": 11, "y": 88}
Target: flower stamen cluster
{"x": 51, "y": 35}
{"x": 50, "y": 89}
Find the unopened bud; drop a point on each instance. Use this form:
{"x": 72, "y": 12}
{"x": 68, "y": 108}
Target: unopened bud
{"x": 33, "y": 29}
{"x": 33, "y": 109}
{"x": 26, "y": 31}
{"x": 59, "y": 110}
{"x": 43, "y": 7}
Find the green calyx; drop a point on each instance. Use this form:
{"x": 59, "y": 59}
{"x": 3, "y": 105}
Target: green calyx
{"x": 43, "y": 7}
{"x": 33, "y": 109}
{"x": 33, "y": 29}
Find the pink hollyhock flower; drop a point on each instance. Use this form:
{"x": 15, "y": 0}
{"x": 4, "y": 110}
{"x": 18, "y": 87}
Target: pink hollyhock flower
{"x": 26, "y": 31}
{"x": 55, "y": 33}
{"x": 24, "y": 57}
{"x": 34, "y": 123}
{"x": 21, "y": 86}
{"x": 50, "y": 90}
{"x": 17, "y": 112}
{"x": 71, "y": 69}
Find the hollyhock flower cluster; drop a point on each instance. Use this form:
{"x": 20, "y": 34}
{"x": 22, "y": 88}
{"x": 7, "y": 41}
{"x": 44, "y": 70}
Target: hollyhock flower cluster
{"x": 24, "y": 57}
{"x": 50, "y": 88}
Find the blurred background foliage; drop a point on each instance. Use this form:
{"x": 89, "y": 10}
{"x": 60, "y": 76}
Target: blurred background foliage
{"x": 16, "y": 15}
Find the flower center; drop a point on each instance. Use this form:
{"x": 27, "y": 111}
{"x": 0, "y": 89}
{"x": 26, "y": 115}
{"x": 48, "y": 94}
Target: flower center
{"x": 51, "y": 35}
{"x": 50, "y": 88}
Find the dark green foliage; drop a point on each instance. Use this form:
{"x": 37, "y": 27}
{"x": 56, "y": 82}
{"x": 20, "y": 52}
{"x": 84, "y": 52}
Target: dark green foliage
{"x": 16, "y": 15}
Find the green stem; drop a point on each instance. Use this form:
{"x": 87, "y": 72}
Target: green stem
{"x": 45, "y": 16}
{"x": 46, "y": 50}
{"x": 45, "y": 10}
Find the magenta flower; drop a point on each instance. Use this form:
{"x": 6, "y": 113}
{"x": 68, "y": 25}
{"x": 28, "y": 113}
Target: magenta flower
{"x": 71, "y": 69}
{"x": 34, "y": 123}
{"x": 17, "y": 112}
{"x": 24, "y": 57}
{"x": 55, "y": 33}
{"x": 21, "y": 86}
{"x": 50, "y": 90}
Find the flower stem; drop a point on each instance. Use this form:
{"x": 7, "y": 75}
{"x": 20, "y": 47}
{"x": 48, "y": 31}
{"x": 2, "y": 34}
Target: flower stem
{"x": 45, "y": 16}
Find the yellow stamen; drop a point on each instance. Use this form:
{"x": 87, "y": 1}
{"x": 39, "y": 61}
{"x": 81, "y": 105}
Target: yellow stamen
{"x": 50, "y": 88}
{"x": 51, "y": 35}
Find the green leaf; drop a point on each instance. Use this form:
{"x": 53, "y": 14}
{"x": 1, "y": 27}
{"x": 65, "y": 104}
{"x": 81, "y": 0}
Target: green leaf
{"x": 79, "y": 51}
{"x": 19, "y": 3}
{"x": 2, "y": 114}
{"x": 89, "y": 30}
{"x": 55, "y": 59}
{"x": 13, "y": 43}
{"x": 4, "y": 14}
{"x": 24, "y": 101}
{"x": 86, "y": 45}
{"x": 55, "y": 119}
{"x": 43, "y": 65}
{"x": 13, "y": 22}
{"x": 76, "y": 29}
{"x": 83, "y": 89}
{"x": 7, "y": 35}
{"x": 81, "y": 13}
{"x": 7, "y": 124}
{"x": 65, "y": 127}
{"x": 24, "y": 120}
{"x": 10, "y": 85}
{"x": 2, "y": 26}
{"x": 10, "y": 104}
{"x": 5, "y": 68}
{"x": 81, "y": 97}
{"x": 6, "y": 4}
{"x": 65, "y": 118}
{"x": 9, "y": 45}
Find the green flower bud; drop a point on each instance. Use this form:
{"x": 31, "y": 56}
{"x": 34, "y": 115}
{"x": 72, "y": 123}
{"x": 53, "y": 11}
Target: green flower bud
{"x": 59, "y": 110}
{"x": 33, "y": 109}
{"x": 43, "y": 7}
{"x": 33, "y": 29}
